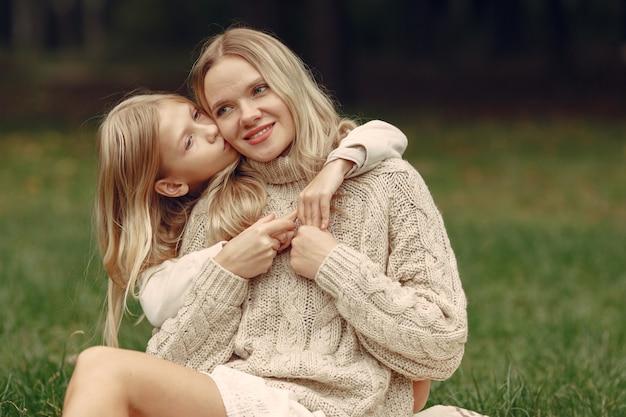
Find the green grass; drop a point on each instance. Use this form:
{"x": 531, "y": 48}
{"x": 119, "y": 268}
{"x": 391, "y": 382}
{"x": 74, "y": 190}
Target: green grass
{"x": 535, "y": 210}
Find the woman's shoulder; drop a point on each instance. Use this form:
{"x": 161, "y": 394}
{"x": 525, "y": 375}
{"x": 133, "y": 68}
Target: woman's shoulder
{"x": 393, "y": 176}
{"x": 394, "y": 167}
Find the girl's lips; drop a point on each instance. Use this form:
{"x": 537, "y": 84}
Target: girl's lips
{"x": 259, "y": 135}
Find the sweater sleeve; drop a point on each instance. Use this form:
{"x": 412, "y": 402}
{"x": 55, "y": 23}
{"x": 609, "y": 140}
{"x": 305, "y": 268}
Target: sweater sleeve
{"x": 201, "y": 334}
{"x": 163, "y": 286}
{"x": 411, "y": 316}
{"x": 369, "y": 144}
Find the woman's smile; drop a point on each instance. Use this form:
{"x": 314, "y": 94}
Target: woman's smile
{"x": 259, "y": 135}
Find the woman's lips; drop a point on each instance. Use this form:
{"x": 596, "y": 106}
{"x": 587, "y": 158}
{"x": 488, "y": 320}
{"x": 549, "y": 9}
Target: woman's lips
{"x": 259, "y": 135}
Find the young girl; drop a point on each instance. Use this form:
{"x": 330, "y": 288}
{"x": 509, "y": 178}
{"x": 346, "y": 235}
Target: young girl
{"x": 158, "y": 153}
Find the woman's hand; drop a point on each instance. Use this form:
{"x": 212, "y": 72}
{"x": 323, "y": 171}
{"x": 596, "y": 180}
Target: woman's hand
{"x": 309, "y": 248}
{"x": 314, "y": 200}
{"x": 252, "y": 252}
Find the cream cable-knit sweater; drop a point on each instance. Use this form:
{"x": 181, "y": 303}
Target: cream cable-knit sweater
{"x": 386, "y": 306}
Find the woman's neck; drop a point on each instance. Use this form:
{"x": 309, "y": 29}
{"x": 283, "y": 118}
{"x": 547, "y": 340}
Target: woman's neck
{"x": 281, "y": 170}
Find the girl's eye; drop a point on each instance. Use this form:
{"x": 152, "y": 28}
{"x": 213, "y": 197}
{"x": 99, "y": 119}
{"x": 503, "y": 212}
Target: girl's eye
{"x": 188, "y": 143}
{"x": 196, "y": 114}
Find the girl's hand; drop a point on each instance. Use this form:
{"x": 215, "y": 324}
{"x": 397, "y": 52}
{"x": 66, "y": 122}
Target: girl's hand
{"x": 309, "y": 248}
{"x": 252, "y": 252}
{"x": 314, "y": 200}
{"x": 284, "y": 238}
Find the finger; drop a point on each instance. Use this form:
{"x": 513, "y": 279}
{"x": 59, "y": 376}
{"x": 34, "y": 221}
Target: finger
{"x": 325, "y": 214}
{"x": 300, "y": 214}
{"x": 279, "y": 225}
{"x": 291, "y": 216}
{"x": 266, "y": 219}
{"x": 287, "y": 242}
{"x": 281, "y": 236}
{"x": 313, "y": 215}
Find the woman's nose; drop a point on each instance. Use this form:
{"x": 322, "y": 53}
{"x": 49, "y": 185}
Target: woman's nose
{"x": 249, "y": 114}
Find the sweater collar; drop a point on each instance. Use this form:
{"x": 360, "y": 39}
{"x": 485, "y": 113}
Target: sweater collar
{"x": 281, "y": 170}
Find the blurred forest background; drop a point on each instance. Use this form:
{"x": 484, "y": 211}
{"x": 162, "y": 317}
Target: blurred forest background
{"x": 70, "y": 59}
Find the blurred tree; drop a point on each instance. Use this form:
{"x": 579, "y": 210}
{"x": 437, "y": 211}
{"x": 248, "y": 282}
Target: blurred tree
{"x": 328, "y": 46}
{"x": 65, "y": 23}
{"x": 5, "y": 22}
{"x": 507, "y": 24}
{"x": 28, "y": 28}
{"x": 558, "y": 36}
{"x": 94, "y": 25}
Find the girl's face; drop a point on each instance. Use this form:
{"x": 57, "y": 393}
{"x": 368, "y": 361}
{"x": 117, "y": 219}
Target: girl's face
{"x": 252, "y": 117}
{"x": 192, "y": 149}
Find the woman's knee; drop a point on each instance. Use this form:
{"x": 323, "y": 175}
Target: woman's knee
{"x": 97, "y": 362}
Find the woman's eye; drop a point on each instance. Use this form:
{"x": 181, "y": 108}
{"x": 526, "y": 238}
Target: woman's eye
{"x": 188, "y": 143}
{"x": 222, "y": 110}
{"x": 196, "y": 114}
{"x": 260, "y": 89}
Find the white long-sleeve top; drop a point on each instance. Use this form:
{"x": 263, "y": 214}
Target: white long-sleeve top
{"x": 163, "y": 286}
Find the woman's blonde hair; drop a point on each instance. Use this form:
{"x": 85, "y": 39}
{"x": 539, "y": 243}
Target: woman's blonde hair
{"x": 319, "y": 128}
{"x": 137, "y": 227}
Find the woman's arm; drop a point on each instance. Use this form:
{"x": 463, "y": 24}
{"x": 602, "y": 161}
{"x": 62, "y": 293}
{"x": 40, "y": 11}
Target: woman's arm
{"x": 410, "y": 312}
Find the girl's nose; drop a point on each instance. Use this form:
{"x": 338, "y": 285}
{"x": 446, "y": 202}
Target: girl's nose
{"x": 211, "y": 131}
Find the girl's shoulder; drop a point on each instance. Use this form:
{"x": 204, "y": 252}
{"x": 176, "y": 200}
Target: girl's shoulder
{"x": 194, "y": 235}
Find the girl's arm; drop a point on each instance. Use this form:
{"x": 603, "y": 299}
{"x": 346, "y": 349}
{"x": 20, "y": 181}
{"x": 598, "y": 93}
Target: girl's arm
{"x": 200, "y": 336}
{"x": 359, "y": 152}
{"x": 163, "y": 286}
{"x": 369, "y": 144}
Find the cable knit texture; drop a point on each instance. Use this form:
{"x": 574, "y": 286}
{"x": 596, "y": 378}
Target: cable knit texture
{"x": 386, "y": 306}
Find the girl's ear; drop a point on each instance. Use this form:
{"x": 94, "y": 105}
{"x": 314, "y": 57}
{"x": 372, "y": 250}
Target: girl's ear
{"x": 170, "y": 188}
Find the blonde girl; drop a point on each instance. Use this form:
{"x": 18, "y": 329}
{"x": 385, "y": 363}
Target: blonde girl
{"x": 158, "y": 153}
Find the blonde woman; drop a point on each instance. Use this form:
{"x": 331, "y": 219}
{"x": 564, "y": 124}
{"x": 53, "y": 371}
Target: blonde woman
{"x": 350, "y": 317}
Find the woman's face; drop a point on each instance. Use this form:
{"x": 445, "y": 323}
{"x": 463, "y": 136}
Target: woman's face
{"x": 252, "y": 117}
{"x": 192, "y": 149}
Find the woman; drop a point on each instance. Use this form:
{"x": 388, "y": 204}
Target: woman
{"x": 352, "y": 315}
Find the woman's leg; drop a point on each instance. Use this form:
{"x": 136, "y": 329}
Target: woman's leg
{"x": 116, "y": 382}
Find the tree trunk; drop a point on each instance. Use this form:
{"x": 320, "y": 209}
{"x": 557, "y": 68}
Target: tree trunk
{"x": 28, "y": 25}
{"x": 329, "y": 49}
{"x": 94, "y": 27}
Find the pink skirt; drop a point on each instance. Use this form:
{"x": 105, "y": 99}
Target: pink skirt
{"x": 246, "y": 395}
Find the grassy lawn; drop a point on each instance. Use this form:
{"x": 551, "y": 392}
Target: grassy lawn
{"x": 536, "y": 212}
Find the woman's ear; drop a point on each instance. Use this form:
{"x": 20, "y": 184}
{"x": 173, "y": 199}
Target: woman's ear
{"x": 170, "y": 188}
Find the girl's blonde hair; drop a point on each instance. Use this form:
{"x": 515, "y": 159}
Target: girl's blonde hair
{"x": 319, "y": 128}
{"x": 137, "y": 227}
